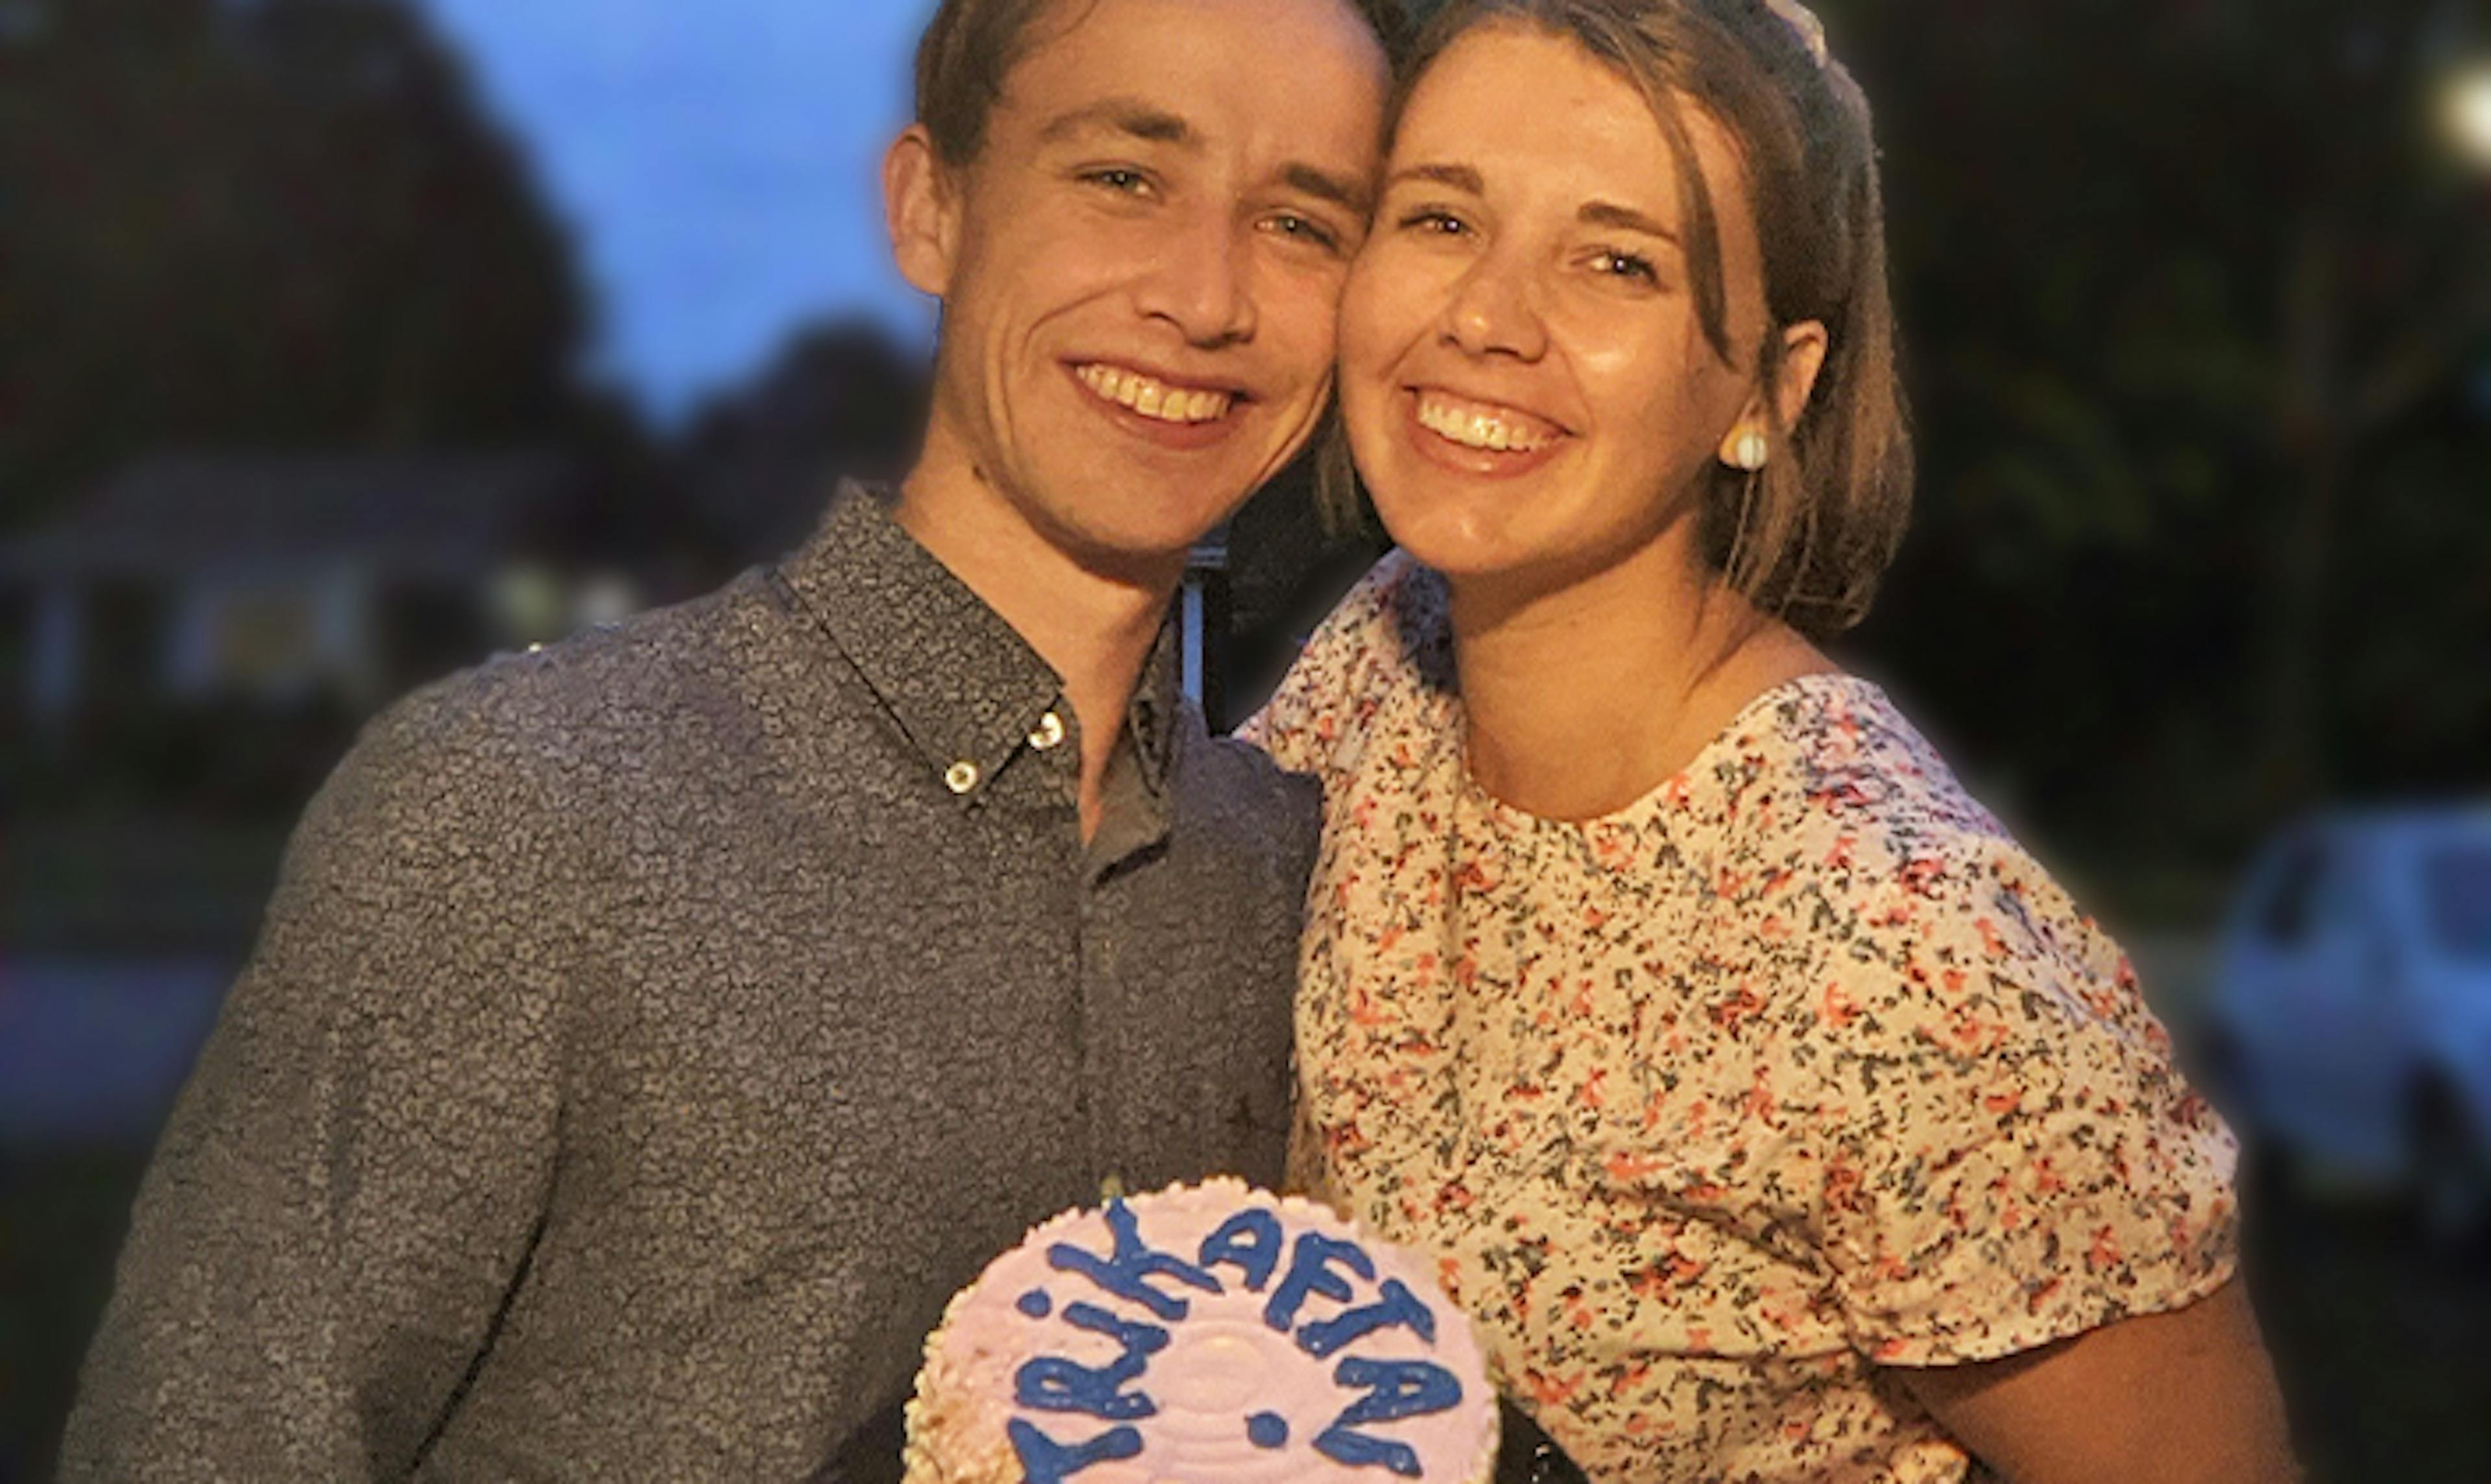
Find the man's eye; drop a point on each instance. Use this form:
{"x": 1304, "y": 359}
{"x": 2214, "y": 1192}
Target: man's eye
{"x": 1302, "y": 228}
{"x": 1119, "y": 178}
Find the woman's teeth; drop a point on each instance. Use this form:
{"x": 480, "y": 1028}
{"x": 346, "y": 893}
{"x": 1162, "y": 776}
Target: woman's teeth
{"x": 1154, "y": 398}
{"x": 1473, "y": 427}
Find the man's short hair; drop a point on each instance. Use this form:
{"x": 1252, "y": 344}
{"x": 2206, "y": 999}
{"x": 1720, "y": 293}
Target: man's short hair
{"x": 970, "y": 46}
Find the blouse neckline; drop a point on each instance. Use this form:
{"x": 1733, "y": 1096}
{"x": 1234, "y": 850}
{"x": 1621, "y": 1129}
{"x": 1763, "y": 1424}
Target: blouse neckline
{"x": 1677, "y": 788}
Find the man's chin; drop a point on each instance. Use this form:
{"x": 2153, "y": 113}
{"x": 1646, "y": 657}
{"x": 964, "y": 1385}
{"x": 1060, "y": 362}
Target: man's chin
{"x": 1152, "y": 562}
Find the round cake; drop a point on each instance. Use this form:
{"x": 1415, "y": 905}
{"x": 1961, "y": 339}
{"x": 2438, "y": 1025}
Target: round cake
{"x": 1208, "y": 1334}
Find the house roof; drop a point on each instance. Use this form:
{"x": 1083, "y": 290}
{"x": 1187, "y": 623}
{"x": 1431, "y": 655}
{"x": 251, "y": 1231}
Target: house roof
{"x": 415, "y": 514}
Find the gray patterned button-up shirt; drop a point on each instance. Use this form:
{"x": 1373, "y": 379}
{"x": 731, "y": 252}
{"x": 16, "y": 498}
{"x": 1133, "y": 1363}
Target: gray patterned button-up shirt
{"x": 649, "y": 1034}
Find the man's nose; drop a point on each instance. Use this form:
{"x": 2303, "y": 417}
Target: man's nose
{"x": 1203, "y": 281}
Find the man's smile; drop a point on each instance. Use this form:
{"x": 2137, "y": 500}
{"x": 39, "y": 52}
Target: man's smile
{"x": 1153, "y": 398}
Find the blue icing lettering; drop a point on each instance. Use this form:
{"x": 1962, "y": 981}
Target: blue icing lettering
{"x": 1035, "y": 1303}
{"x": 1266, "y": 1430}
{"x": 1250, "y": 1240}
{"x": 1138, "y": 1338}
{"x": 1123, "y": 1270}
{"x": 1308, "y": 1273}
{"x": 1057, "y": 1384}
{"x": 1396, "y": 1389}
{"x": 1044, "y": 1461}
{"x": 1397, "y": 1306}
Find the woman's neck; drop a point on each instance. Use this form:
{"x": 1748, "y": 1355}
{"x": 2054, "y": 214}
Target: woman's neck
{"x": 1584, "y": 698}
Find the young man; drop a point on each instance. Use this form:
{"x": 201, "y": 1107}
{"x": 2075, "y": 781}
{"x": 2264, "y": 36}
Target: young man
{"x": 648, "y": 1034}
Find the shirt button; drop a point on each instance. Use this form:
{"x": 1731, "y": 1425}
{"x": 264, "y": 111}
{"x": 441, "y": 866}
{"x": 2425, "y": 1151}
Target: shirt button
{"x": 1049, "y": 733}
{"x": 961, "y": 776}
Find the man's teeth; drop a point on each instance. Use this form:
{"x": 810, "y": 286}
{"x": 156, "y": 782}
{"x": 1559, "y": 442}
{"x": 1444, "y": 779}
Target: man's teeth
{"x": 1474, "y": 428}
{"x": 1153, "y": 399}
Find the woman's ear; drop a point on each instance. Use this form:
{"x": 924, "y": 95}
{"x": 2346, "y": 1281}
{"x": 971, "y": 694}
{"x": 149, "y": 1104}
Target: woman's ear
{"x": 1803, "y": 348}
{"x": 921, "y": 208}
{"x": 1749, "y": 443}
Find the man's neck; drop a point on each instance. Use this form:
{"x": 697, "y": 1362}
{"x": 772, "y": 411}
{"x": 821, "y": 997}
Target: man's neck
{"x": 1094, "y": 628}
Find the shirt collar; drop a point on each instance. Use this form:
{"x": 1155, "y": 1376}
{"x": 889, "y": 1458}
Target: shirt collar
{"x": 961, "y": 682}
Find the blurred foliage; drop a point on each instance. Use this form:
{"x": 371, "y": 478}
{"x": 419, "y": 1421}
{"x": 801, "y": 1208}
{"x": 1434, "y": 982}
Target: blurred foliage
{"x": 840, "y": 399}
{"x": 260, "y": 222}
{"x": 2200, "y": 308}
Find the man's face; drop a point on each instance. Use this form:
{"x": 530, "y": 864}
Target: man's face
{"x": 1139, "y": 271}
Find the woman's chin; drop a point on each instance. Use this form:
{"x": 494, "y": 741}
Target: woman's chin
{"x": 1459, "y": 549}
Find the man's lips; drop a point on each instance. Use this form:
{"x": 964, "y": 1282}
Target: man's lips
{"x": 1161, "y": 398}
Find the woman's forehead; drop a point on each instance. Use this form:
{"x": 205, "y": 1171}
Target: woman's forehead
{"x": 1533, "y": 100}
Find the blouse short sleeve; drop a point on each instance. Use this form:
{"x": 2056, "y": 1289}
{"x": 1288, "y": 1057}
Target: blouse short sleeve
{"x": 2010, "y": 1155}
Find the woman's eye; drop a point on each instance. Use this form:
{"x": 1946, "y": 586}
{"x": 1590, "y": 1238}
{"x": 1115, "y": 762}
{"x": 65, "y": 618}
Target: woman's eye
{"x": 1435, "y": 224}
{"x": 1624, "y": 265}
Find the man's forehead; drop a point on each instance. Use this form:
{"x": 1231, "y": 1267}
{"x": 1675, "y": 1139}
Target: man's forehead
{"x": 1164, "y": 72}
{"x": 1152, "y": 34}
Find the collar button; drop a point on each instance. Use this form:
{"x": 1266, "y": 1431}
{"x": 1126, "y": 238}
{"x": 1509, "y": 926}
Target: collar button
{"x": 1048, "y": 733}
{"x": 961, "y": 776}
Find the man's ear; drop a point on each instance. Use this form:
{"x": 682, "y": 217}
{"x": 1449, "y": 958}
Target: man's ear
{"x": 921, "y": 208}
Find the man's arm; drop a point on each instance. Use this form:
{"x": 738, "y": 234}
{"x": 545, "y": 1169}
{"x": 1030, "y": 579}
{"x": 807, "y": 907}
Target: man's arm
{"x": 2186, "y": 1397}
{"x": 355, "y": 1172}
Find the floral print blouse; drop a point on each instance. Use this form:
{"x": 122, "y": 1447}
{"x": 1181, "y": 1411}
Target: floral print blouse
{"x": 1796, "y": 1069}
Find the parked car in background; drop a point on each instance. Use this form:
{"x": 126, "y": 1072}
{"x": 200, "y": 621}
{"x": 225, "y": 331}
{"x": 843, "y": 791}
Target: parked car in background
{"x": 2350, "y": 1021}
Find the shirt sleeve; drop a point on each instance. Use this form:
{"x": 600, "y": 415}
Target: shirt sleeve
{"x": 1314, "y": 722}
{"x": 355, "y": 1172}
{"x": 2014, "y": 1159}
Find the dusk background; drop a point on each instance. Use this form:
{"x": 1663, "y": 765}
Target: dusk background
{"x": 345, "y": 343}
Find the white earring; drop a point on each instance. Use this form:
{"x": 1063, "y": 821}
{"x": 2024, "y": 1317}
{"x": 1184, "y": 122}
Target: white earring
{"x": 1749, "y": 451}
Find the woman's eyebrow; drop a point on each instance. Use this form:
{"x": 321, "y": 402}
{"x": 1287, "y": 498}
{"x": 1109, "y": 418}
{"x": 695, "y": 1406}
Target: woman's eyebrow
{"x": 1626, "y": 218}
{"x": 1460, "y": 178}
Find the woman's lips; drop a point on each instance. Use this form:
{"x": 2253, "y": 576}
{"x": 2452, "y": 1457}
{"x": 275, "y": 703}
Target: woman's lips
{"x": 1478, "y": 425}
{"x": 1478, "y": 437}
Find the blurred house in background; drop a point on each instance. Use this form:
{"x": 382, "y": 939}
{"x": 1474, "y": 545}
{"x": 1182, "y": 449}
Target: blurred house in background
{"x": 213, "y": 577}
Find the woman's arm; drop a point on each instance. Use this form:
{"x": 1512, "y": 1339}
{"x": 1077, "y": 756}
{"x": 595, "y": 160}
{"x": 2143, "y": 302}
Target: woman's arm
{"x": 2186, "y": 1397}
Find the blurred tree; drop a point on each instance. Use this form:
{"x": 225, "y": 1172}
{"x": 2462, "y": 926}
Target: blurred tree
{"x": 278, "y": 221}
{"x": 840, "y": 399}
{"x": 2193, "y": 292}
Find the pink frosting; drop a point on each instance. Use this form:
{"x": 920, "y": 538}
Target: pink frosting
{"x": 1222, "y": 1363}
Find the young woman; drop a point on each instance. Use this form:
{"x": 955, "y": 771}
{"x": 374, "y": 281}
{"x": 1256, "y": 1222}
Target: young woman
{"x": 1777, "y": 1115}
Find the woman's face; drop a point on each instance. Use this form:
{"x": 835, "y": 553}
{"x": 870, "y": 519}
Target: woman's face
{"x": 1525, "y": 376}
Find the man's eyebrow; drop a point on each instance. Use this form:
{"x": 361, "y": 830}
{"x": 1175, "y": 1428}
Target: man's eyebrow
{"x": 1351, "y": 196}
{"x": 1120, "y": 115}
{"x": 1460, "y": 178}
{"x": 1608, "y": 213}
